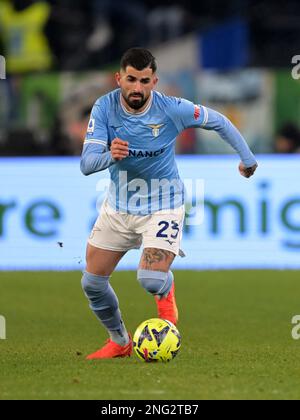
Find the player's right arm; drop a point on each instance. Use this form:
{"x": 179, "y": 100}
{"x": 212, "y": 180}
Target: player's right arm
{"x": 96, "y": 158}
{"x": 97, "y": 155}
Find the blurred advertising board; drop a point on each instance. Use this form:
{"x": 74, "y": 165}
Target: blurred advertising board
{"x": 47, "y": 209}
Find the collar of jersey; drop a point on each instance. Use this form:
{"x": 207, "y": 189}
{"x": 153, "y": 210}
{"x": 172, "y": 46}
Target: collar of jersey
{"x": 138, "y": 114}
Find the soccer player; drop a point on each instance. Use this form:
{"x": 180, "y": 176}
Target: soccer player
{"x": 132, "y": 132}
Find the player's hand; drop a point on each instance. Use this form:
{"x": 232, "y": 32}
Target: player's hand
{"x": 119, "y": 149}
{"x": 247, "y": 172}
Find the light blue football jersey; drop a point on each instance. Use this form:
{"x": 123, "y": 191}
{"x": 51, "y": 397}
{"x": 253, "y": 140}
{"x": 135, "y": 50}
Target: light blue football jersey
{"x": 147, "y": 180}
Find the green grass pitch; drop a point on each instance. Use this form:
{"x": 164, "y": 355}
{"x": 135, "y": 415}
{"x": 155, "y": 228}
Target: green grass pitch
{"x": 235, "y": 326}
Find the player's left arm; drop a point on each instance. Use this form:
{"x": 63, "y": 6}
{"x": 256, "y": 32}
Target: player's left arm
{"x": 185, "y": 114}
{"x": 216, "y": 121}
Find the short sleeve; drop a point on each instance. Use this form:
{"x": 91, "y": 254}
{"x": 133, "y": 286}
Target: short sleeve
{"x": 97, "y": 130}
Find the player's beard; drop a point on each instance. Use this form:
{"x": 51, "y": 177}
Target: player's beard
{"x": 135, "y": 103}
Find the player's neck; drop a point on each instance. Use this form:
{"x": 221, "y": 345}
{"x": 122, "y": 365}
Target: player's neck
{"x": 136, "y": 111}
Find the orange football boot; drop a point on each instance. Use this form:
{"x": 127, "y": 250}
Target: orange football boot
{"x": 166, "y": 306}
{"x": 111, "y": 350}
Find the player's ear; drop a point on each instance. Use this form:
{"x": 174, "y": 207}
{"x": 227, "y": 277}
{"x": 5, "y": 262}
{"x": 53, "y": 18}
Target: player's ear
{"x": 118, "y": 78}
{"x": 155, "y": 80}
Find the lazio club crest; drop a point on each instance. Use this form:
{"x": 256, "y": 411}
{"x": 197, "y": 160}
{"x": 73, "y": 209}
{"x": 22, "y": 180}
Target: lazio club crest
{"x": 155, "y": 129}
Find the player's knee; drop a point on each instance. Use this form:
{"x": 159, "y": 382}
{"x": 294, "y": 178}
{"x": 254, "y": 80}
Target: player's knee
{"x": 96, "y": 262}
{"x": 93, "y": 266}
{"x": 152, "y": 281}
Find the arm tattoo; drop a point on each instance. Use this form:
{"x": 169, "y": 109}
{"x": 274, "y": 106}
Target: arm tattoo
{"x": 154, "y": 255}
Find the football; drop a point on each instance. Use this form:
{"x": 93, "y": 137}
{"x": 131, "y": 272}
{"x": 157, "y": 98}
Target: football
{"x": 156, "y": 340}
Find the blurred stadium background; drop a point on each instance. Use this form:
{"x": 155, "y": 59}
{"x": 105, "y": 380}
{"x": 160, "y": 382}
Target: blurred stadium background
{"x": 240, "y": 57}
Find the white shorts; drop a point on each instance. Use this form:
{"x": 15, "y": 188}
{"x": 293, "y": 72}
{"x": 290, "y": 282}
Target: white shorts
{"x": 117, "y": 231}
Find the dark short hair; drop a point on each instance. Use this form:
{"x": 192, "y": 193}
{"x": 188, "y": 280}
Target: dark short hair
{"x": 138, "y": 58}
